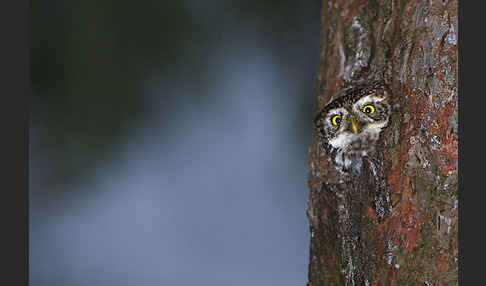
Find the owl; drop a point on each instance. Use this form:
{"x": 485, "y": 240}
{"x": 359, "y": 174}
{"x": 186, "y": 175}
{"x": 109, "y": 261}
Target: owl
{"x": 350, "y": 125}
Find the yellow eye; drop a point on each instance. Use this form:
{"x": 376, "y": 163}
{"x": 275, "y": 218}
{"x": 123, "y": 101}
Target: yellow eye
{"x": 369, "y": 109}
{"x": 336, "y": 119}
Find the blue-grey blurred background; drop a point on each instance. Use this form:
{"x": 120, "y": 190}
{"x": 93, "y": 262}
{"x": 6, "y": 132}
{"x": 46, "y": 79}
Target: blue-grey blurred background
{"x": 169, "y": 141}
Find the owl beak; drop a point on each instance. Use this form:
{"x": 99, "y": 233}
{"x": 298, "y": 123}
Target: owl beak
{"x": 354, "y": 125}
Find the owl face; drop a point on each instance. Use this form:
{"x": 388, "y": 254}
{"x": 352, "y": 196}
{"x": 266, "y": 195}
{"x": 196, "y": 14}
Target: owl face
{"x": 351, "y": 124}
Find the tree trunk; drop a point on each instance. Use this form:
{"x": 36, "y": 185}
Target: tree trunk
{"x": 396, "y": 222}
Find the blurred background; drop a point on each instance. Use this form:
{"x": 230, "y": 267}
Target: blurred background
{"x": 169, "y": 141}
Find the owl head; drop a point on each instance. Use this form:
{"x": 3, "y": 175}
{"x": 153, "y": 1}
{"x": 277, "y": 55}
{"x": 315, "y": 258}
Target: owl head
{"x": 351, "y": 124}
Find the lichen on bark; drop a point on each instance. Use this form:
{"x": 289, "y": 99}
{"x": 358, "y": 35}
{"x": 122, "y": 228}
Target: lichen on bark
{"x": 396, "y": 223}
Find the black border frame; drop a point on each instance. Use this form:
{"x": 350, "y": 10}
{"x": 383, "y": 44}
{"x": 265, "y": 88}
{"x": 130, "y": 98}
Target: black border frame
{"x": 15, "y": 113}
{"x": 470, "y": 92}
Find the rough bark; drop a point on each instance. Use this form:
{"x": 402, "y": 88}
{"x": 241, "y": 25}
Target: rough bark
{"x": 396, "y": 222}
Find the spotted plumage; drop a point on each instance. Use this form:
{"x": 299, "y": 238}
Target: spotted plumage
{"x": 350, "y": 125}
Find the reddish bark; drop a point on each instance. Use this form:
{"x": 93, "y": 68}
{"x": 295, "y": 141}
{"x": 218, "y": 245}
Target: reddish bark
{"x": 413, "y": 239}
